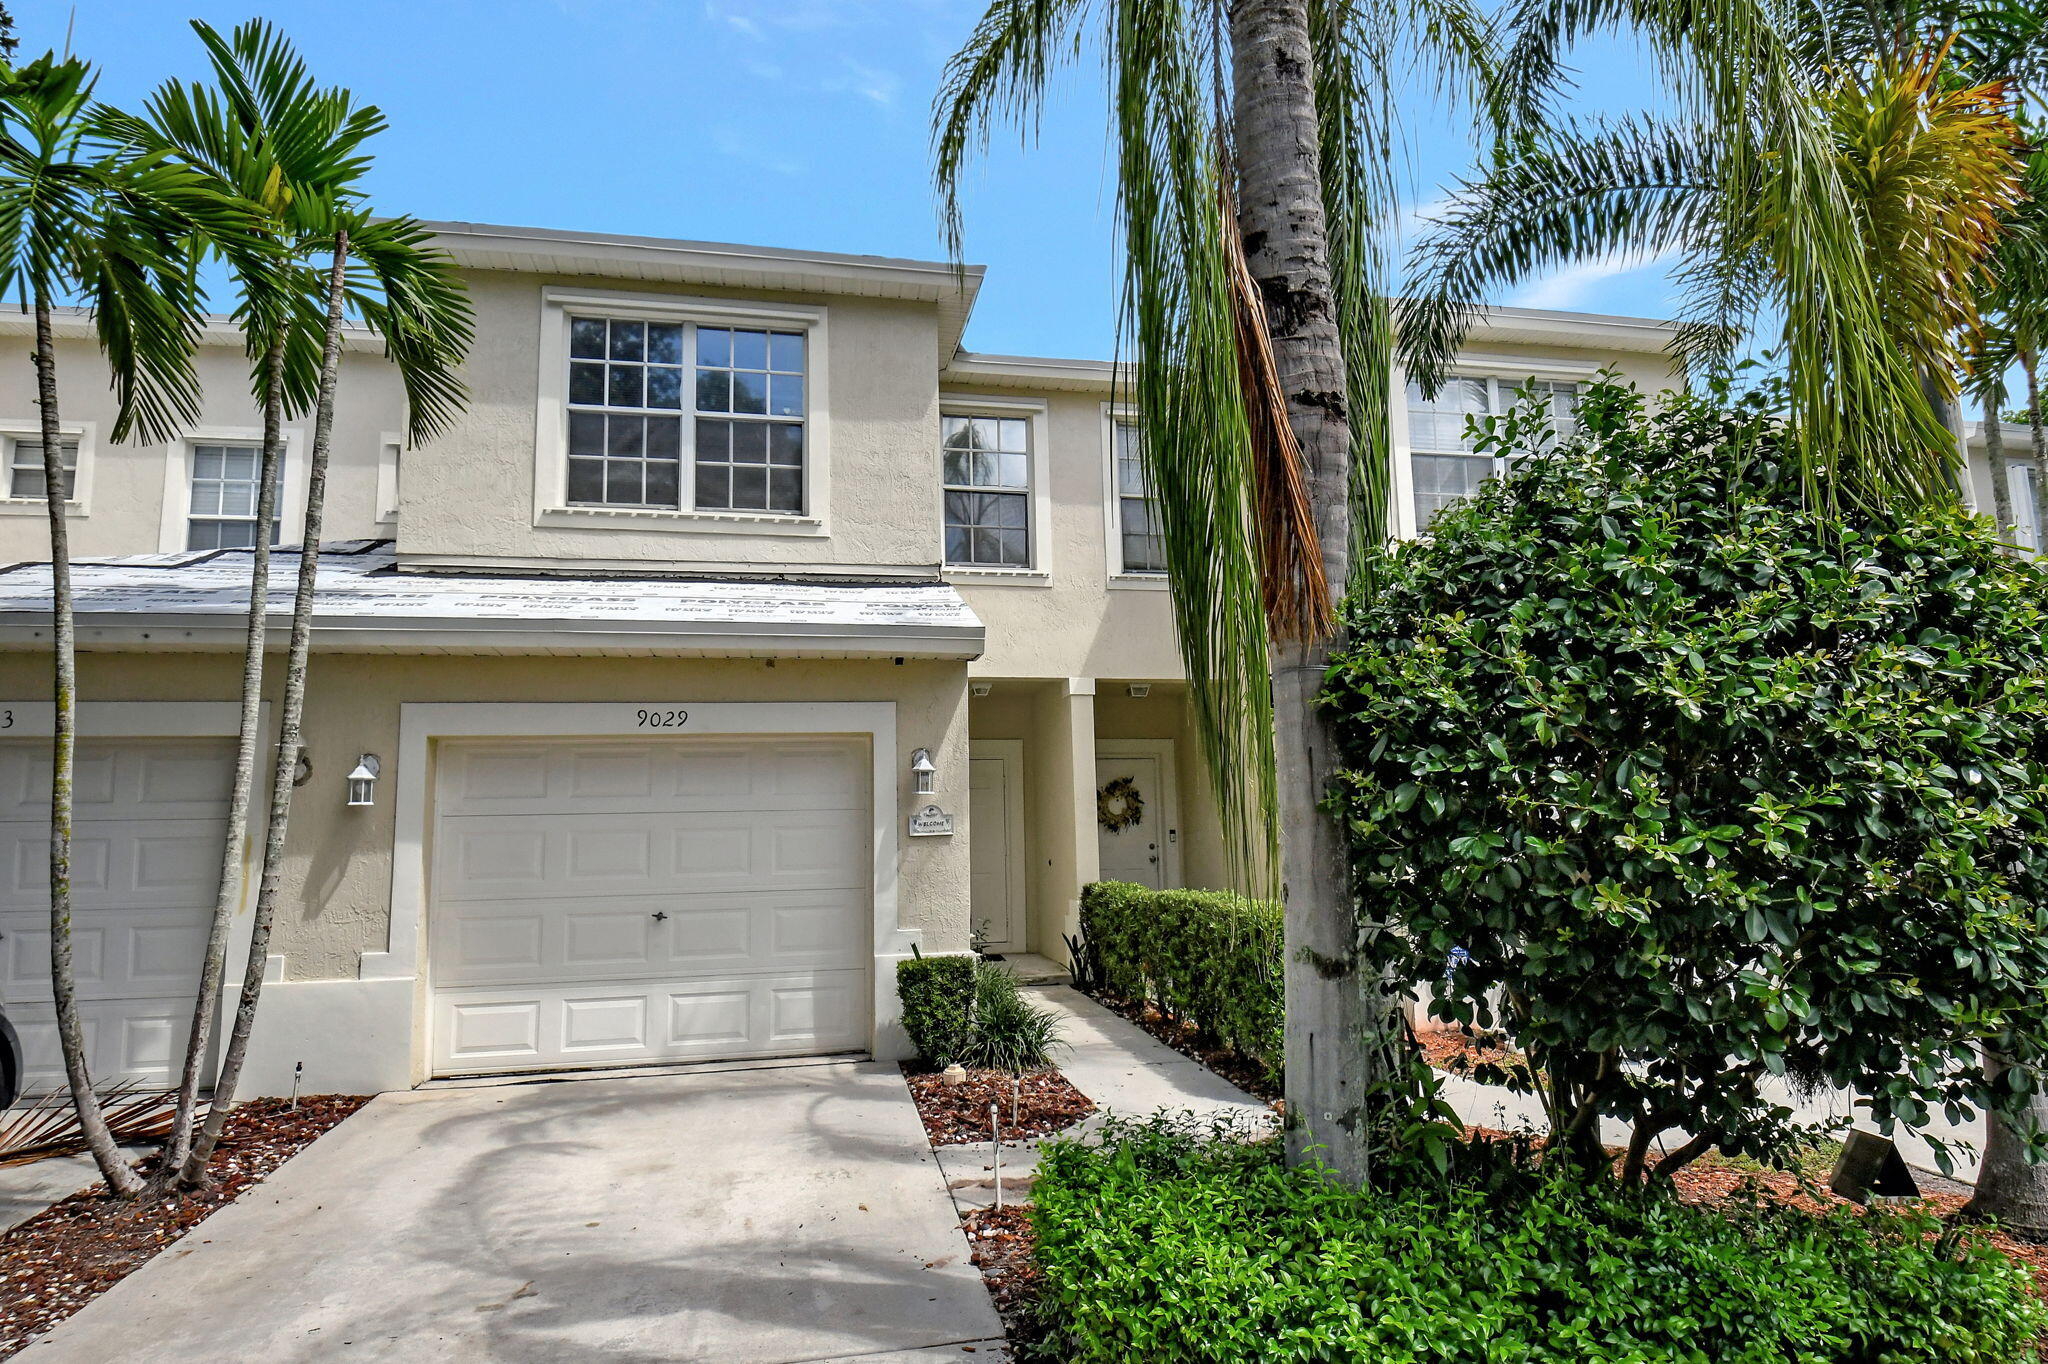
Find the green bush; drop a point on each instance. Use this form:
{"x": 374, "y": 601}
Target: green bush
{"x": 962, "y": 1009}
{"x": 937, "y": 994}
{"x": 1160, "y": 1246}
{"x": 1711, "y": 785}
{"x": 1009, "y": 1032}
{"x": 1207, "y": 958}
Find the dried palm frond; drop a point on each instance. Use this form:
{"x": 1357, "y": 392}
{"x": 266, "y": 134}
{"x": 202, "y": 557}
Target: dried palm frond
{"x": 1291, "y": 580}
{"x": 48, "y": 1125}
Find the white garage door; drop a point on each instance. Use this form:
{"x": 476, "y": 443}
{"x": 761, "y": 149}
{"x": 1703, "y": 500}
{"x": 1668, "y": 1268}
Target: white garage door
{"x": 145, "y": 867}
{"x": 610, "y": 903}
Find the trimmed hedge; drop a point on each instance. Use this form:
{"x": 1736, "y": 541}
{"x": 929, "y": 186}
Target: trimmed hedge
{"x": 1207, "y": 958}
{"x": 938, "y": 1005}
{"x": 1159, "y": 1245}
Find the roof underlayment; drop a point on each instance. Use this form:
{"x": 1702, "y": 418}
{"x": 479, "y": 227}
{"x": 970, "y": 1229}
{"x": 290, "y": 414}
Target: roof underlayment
{"x": 200, "y": 600}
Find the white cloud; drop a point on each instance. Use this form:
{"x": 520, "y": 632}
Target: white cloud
{"x": 1573, "y": 285}
{"x": 869, "y": 82}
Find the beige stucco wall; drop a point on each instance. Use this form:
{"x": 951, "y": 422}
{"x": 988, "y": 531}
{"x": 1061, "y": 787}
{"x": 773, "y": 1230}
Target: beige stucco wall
{"x": 129, "y": 506}
{"x": 1079, "y": 621}
{"x": 336, "y": 884}
{"x": 470, "y": 495}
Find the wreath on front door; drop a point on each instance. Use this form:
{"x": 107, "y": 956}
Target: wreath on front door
{"x": 1118, "y": 805}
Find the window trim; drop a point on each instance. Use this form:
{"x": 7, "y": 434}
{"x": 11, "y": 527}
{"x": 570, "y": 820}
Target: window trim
{"x": 1037, "y": 493}
{"x": 390, "y": 447}
{"x": 1404, "y": 525}
{"x": 177, "y": 518}
{"x": 1143, "y": 580}
{"x": 551, "y": 505}
{"x": 78, "y": 506}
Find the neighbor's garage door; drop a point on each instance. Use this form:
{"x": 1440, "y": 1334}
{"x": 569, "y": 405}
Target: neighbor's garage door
{"x": 145, "y": 867}
{"x": 608, "y": 903}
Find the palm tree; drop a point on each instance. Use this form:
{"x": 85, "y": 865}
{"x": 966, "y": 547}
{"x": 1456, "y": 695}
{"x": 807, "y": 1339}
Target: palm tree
{"x": 386, "y": 273}
{"x": 288, "y": 146}
{"x": 1255, "y": 195}
{"x": 84, "y": 214}
{"x": 1874, "y": 256}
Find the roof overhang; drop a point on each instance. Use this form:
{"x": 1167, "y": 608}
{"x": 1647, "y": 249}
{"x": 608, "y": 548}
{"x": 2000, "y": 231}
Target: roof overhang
{"x": 549, "y": 251}
{"x": 199, "y": 601}
{"x": 1507, "y": 327}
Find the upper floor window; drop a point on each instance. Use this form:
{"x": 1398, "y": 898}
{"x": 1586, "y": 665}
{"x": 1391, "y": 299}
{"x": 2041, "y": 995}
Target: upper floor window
{"x": 225, "y": 480}
{"x": 1137, "y": 514}
{"x": 987, "y": 472}
{"x": 632, "y": 430}
{"x": 26, "y": 477}
{"x": 1441, "y": 460}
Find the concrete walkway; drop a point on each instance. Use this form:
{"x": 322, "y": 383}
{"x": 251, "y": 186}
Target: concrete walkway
{"x": 1493, "y": 1106}
{"x": 749, "y": 1216}
{"x": 1126, "y": 1070}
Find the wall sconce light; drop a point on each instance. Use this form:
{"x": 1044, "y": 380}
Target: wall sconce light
{"x": 924, "y": 770}
{"x": 1139, "y": 690}
{"x": 362, "y": 783}
{"x": 980, "y": 688}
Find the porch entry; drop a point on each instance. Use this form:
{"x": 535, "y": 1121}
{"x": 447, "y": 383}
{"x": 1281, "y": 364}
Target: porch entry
{"x": 1137, "y": 820}
{"x": 995, "y": 822}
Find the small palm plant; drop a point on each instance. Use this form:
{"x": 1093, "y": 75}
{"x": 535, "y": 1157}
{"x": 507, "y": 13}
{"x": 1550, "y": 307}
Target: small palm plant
{"x": 87, "y": 214}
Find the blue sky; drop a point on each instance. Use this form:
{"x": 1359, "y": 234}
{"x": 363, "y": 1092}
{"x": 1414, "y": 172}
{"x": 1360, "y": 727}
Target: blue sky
{"x": 801, "y": 123}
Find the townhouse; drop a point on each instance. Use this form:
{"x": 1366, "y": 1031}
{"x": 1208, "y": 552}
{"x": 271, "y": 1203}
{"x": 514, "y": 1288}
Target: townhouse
{"x": 745, "y": 635}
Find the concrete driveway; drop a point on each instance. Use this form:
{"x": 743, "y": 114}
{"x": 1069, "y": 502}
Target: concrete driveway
{"x": 782, "y": 1214}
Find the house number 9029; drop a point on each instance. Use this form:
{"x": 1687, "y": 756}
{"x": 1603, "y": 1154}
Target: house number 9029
{"x": 663, "y": 719}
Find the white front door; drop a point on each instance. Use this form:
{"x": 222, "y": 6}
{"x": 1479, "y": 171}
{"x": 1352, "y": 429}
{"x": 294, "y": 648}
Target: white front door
{"x": 1144, "y": 849}
{"x": 995, "y": 824}
{"x": 148, "y": 819}
{"x": 609, "y": 902}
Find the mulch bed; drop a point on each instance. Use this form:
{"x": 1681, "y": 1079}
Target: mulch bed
{"x": 1247, "y": 1074}
{"x": 1457, "y": 1050}
{"x": 1002, "y": 1243}
{"x": 61, "y": 1259}
{"x": 956, "y": 1114}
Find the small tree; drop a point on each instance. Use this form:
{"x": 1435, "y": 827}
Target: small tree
{"x": 1714, "y": 790}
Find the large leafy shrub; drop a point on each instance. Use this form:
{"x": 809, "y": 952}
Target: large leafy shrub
{"x": 1208, "y": 958}
{"x": 1709, "y": 785}
{"x": 1159, "y": 1246}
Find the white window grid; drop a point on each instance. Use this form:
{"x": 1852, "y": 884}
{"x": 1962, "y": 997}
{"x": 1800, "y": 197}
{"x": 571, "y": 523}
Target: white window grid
{"x": 986, "y": 475}
{"x": 631, "y": 435}
{"x": 25, "y": 473}
{"x": 1442, "y": 463}
{"x": 224, "y": 483}
{"x": 1137, "y": 516}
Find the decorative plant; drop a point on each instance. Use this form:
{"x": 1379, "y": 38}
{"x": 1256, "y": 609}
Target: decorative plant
{"x": 1009, "y": 1032}
{"x": 1713, "y": 788}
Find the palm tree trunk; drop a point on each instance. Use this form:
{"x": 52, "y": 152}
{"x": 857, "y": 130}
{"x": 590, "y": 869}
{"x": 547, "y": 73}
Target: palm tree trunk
{"x": 293, "y": 704}
{"x": 2037, "y": 425}
{"x": 1994, "y": 455}
{"x": 1280, "y": 216}
{"x": 114, "y": 1167}
{"x": 247, "y": 737}
{"x": 2009, "y": 1188}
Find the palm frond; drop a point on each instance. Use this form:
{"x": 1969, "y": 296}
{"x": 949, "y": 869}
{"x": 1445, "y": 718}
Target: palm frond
{"x": 1584, "y": 191}
{"x": 408, "y": 292}
{"x": 997, "y": 77}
